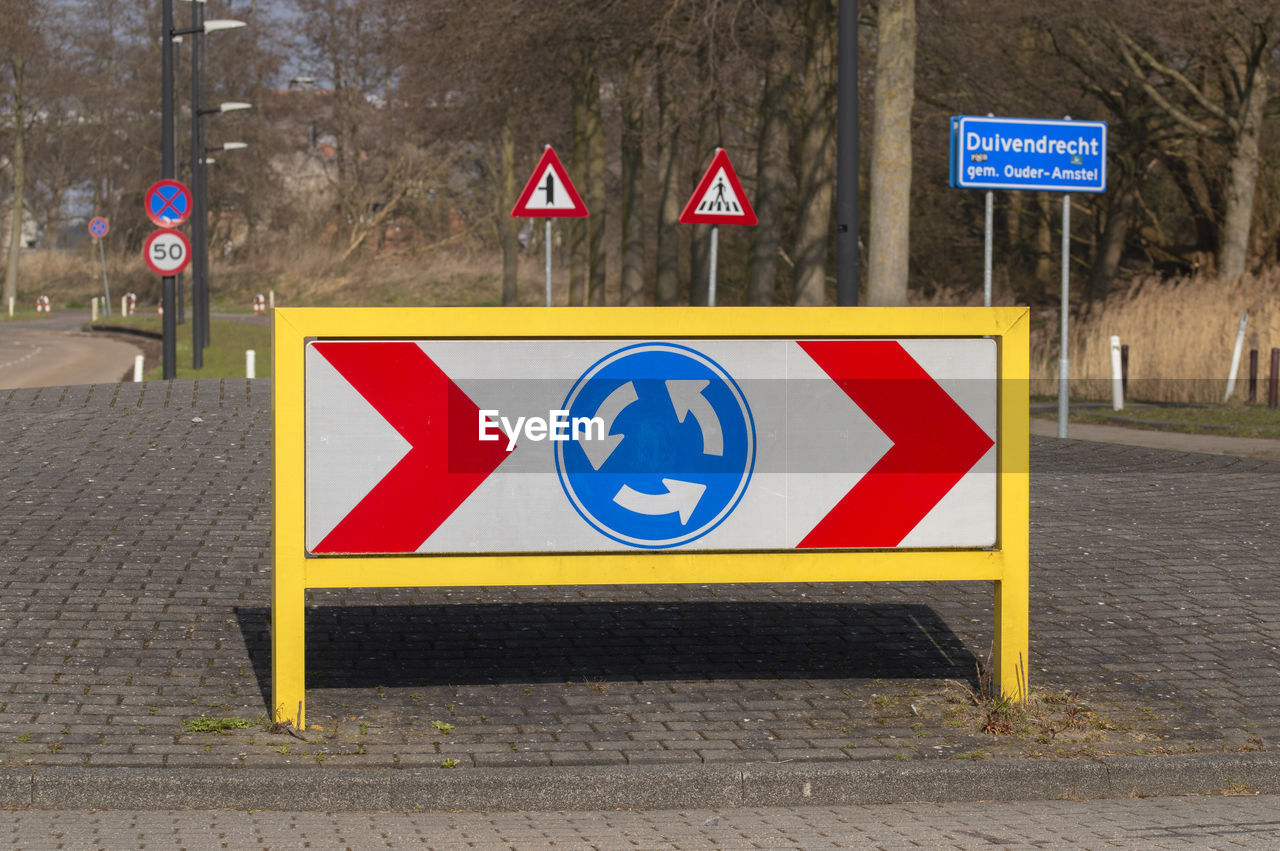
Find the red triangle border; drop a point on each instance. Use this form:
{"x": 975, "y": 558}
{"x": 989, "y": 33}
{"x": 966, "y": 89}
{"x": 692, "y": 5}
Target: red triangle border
{"x": 690, "y": 216}
{"x": 521, "y": 209}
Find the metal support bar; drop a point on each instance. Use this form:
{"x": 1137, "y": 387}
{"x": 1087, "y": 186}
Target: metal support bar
{"x": 986, "y": 250}
{"x": 548, "y": 241}
{"x": 1064, "y": 363}
{"x": 711, "y": 275}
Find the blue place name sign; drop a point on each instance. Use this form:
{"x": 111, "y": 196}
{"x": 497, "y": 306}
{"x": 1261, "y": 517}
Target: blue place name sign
{"x": 1028, "y": 153}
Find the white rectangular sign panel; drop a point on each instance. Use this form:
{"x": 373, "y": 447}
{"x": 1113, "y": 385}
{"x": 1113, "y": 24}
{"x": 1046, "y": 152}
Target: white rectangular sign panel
{"x": 607, "y": 445}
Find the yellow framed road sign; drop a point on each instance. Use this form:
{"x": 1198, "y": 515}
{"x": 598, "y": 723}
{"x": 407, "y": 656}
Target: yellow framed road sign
{"x": 565, "y": 446}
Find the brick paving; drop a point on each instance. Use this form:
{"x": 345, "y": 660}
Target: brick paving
{"x": 1207, "y": 822}
{"x": 135, "y": 556}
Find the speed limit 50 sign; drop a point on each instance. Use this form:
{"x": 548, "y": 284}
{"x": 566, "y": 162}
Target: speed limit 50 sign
{"x": 167, "y": 252}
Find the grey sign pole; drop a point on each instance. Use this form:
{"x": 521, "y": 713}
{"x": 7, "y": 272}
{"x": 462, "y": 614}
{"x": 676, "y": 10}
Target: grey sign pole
{"x": 1064, "y": 369}
{"x": 548, "y": 241}
{"x": 711, "y": 276}
{"x": 986, "y": 253}
{"x": 106, "y": 288}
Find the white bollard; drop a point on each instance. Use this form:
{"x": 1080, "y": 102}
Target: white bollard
{"x": 1117, "y": 376}
{"x": 1235, "y": 358}
{"x": 271, "y": 299}
{"x": 10, "y": 307}
{"x": 93, "y": 309}
{"x": 137, "y": 368}
{"x": 124, "y": 305}
{"x": 249, "y": 358}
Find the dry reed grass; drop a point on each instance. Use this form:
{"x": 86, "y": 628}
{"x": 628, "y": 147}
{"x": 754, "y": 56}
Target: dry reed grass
{"x": 308, "y": 274}
{"x": 1180, "y": 334}
{"x": 1180, "y": 331}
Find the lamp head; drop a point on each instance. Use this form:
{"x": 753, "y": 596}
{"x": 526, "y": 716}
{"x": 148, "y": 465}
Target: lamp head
{"x": 223, "y": 24}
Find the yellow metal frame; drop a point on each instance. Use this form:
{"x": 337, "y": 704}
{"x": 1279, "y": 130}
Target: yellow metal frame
{"x": 1006, "y": 564}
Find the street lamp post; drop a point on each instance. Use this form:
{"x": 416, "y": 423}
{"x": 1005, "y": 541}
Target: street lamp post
{"x": 200, "y": 246}
{"x": 169, "y": 329}
{"x": 201, "y": 259}
{"x": 199, "y": 285}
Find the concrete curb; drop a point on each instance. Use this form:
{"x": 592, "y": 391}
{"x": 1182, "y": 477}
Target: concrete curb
{"x": 643, "y": 787}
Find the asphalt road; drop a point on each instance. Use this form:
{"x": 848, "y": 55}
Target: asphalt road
{"x": 54, "y": 352}
{"x": 1194, "y": 822}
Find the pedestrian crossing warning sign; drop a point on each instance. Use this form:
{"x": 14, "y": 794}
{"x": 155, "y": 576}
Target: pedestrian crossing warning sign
{"x": 719, "y": 198}
{"x": 549, "y": 192}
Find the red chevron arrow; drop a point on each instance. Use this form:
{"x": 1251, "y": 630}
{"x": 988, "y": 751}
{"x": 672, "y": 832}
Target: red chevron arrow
{"x": 934, "y": 443}
{"x": 446, "y": 463}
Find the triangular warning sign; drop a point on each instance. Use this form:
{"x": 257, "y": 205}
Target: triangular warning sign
{"x": 719, "y": 198}
{"x": 549, "y": 193}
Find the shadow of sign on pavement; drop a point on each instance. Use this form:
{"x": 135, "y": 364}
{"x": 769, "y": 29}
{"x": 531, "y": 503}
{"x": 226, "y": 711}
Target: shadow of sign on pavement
{"x": 363, "y": 647}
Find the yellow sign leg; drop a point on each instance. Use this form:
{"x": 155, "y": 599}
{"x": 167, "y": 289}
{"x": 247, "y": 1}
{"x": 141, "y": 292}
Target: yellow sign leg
{"x": 289, "y": 579}
{"x": 1012, "y": 591}
{"x": 288, "y": 655}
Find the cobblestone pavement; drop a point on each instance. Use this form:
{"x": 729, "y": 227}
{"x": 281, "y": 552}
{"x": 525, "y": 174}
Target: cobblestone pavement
{"x": 1208, "y": 822}
{"x": 135, "y": 557}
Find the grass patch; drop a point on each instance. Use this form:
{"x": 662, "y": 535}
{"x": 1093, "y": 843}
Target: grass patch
{"x": 215, "y": 725}
{"x": 225, "y": 356}
{"x": 1231, "y": 420}
{"x": 1234, "y": 420}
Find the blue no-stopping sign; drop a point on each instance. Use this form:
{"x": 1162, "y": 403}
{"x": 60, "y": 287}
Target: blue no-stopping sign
{"x": 673, "y": 451}
{"x": 167, "y": 203}
{"x": 1028, "y": 153}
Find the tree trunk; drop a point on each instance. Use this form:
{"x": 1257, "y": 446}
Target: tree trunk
{"x": 633, "y": 191}
{"x": 700, "y": 238}
{"x": 817, "y": 158}
{"x": 578, "y": 227}
{"x": 596, "y": 254}
{"x": 889, "y": 244}
{"x": 1044, "y": 245}
{"x": 18, "y": 159}
{"x": 1114, "y": 233}
{"x": 507, "y": 224}
{"x": 1238, "y": 216}
{"x": 668, "y": 286}
{"x": 771, "y": 155}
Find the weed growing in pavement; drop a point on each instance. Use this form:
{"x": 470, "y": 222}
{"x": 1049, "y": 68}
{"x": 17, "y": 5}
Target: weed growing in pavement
{"x": 449, "y": 763}
{"x": 215, "y": 725}
{"x": 443, "y": 726}
{"x": 1045, "y": 716}
{"x": 1236, "y": 788}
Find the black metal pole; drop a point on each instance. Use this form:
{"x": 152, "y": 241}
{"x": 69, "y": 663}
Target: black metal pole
{"x": 202, "y": 194}
{"x": 847, "y": 155}
{"x": 1273, "y": 383}
{"x": 169, "y": 343}
{"x": 177, "y": 152}
{"x": 1124, "y": 371}
{"x": 197, "y": 197}
{"x": 1253, "y": 375}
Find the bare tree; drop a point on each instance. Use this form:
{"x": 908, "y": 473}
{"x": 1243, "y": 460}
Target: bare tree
{"x": 889, "y": 245}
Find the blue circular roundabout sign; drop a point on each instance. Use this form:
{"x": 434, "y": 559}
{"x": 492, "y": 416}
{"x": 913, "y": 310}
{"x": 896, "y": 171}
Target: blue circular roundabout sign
{"x": 670, "y": 447}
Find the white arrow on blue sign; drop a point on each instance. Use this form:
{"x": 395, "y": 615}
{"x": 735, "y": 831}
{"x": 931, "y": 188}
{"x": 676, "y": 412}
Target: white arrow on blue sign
{"x": 1028, "y": 153}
